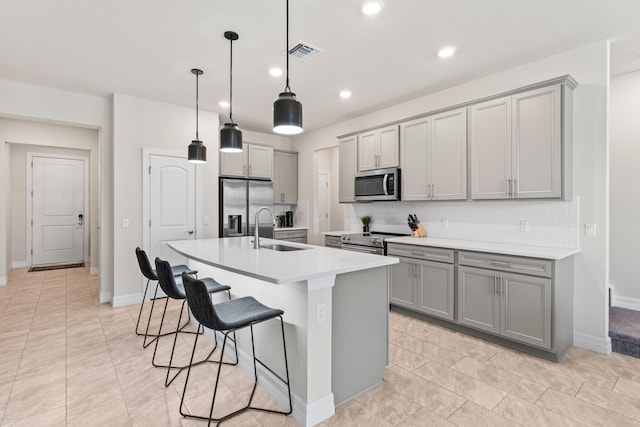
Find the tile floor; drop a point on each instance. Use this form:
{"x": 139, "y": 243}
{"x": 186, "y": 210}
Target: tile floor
{"x": 66, "y": 360}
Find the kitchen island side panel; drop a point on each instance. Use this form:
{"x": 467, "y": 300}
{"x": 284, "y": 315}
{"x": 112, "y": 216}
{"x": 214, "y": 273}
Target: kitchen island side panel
{"x": 359, "y": 332}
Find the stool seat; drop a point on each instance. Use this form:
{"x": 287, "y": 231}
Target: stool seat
{"x": 240, "y": 312}
{"x": 211, "y": 284}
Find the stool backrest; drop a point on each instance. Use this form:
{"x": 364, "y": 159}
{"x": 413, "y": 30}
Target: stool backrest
{"x": 166, "y": 280}
{"x": 145, "y": 265}
{"x": 200, "y": 303}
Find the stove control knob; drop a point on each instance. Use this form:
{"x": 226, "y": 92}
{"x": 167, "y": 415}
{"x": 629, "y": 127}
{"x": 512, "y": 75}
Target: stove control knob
{"x": 377, "y": 241}
{"x": 346, "y": 238}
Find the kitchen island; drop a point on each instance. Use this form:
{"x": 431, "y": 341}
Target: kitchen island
{"x": 335, "y": 311}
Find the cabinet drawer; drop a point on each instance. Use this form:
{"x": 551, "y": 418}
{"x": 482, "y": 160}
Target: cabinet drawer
{"x": 420, "y": 252}
{"x": 531, "y": 266}
{"x": 333, "y": 241}
{"x": 289, "y": 234}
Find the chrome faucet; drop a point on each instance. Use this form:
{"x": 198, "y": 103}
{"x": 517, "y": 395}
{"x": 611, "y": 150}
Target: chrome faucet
{"x": 256, "y": 237}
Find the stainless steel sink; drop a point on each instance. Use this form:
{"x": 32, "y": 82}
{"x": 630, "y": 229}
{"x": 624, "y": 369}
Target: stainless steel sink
{"x": 282, "y": 248}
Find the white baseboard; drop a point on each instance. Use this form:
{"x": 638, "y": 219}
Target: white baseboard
{"x": 19, "y": 264}
{"x": 105, "y": 297}
{"x": 597, "y": 344}
{"x": 94, "y": 271}
{"x": 625, "y": 302}
{"x": 121, "y": 301}
{"x": 3, "y": 281}
{"x": 307, "y": 414}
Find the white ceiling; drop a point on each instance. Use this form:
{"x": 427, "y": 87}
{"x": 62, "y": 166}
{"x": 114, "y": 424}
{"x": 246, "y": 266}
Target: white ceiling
{"x": 145, "y": 48}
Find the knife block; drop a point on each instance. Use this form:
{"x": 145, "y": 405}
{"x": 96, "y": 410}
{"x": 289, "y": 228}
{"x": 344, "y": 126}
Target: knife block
{"x": 419, "y": 232}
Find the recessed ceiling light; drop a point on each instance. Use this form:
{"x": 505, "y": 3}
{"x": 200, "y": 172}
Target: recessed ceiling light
{"x": 223, "y": 104}
{"x": 371, "y": 7}
{"x": 275, "y": 71}
{"x": 446, "y": 51}
{"x": 345, "y": 94}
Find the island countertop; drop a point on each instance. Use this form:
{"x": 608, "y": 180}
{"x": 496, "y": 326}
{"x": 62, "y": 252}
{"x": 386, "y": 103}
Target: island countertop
{"x": 236, "y": 254}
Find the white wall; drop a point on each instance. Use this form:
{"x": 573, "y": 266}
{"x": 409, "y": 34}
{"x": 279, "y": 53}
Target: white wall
{"x": 589, "y": 66}
{"x": 35, "y": 103}
{"x": 139, "y": 123}
{"x": 625, "y": 197}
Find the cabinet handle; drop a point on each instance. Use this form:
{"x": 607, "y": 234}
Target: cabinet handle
{"x": 249, "y": 169}
{"x": 502, "y": 280}
{"x": 506, "y": 183}
{"x": 244, "y": 169}
{"x": 514, "y": 191}
{"x": 495, "y": 284}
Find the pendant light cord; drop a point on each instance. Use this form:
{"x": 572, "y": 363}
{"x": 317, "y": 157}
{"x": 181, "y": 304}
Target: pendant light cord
{"x": 287, "y": 88}
{"x": 197, "y": 137}
{"x": 231, "y": 82}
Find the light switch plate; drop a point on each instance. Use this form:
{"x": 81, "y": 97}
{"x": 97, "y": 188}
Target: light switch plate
{"x": 125, "y": 222}
{"x": 590, "y": 230}
{"x": 524, "y": 226}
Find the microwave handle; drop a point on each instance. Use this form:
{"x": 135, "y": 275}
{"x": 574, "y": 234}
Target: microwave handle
{"x": 384, "y": 184}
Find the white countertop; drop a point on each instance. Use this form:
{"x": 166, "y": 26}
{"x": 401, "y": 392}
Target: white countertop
{"x": 236, "y": 254}
{"x": 545, "y": 252}
{"x": 289, "y": 228}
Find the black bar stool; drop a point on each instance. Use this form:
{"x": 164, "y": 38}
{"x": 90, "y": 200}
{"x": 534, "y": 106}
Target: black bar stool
{"x": 150, "y": 274}
{"x": 226, "y": 317}
{"x": 173, "y": 290}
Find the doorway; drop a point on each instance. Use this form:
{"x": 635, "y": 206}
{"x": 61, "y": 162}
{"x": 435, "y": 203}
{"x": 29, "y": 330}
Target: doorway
{"x": 324, "y": 202}
{"x": 57, "y": 209}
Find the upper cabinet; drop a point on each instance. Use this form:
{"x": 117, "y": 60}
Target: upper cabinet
{"x": 378, "y": 149}
{"x": 516, "y": 146}
{"x": 434, "y": 157}
{"x": 255, "y": 161}
{"x": 285, "y": 177}
{"x": 347, "y": 149}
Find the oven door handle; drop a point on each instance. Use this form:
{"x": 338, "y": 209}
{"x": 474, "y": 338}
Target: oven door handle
{"x": 384, "y": 184}
{"x": 363, "y": 249}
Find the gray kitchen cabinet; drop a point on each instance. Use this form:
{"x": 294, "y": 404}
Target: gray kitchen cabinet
{"x": 516, "y": 306}
{"x": 285, "y": 177}
{"x": 516, "y": 145}
{"x": 378, "y": 149}
{"x": 433, "y": 153}
{"x": 298, "y": 236}
{"x": 348, "y": 166}
{"x": 255, "y": 161}
{"x": 423, "y": 280}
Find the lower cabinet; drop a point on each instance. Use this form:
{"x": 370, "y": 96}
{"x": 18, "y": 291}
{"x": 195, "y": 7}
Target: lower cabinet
{"x": 515, "y": 306}
{"x": 421, "y": 284}
{"x": 523, "y": 302}
{"x": 298, "y": 236}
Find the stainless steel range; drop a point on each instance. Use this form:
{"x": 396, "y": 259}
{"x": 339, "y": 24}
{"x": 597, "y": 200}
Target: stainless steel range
{"x": 370, "y": 243}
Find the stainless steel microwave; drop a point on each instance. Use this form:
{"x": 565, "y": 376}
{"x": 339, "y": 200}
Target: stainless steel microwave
{"x": 378, "y": 184}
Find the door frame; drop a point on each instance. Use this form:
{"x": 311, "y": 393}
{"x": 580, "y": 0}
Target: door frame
{"x": 29, "y": 190}
{"x": 328, "y": 207}
{"x": 146, "y": 192}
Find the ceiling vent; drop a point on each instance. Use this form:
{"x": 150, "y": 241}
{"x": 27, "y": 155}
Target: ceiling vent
{"x": 304, "y": 51}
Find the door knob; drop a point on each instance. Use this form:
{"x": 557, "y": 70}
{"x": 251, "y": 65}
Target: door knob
{"x": 190, "y": 232}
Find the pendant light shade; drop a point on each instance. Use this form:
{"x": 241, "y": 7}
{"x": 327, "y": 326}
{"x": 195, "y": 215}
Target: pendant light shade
{"x": 197, "y": 151}
{"x": 287, "y": 110}
{"x": 230, "y": 134}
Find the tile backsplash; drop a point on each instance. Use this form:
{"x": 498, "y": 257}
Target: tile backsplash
{"x": 541, "y": 222}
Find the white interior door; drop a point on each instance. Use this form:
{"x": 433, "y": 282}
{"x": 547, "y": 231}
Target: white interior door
{"x": 323, "y": 202}
{"x": 171, "y": 204}
{"x": 58, "y": 202}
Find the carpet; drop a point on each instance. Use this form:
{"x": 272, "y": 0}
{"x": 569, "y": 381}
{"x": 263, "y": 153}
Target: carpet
{"x": 624, "y": 331}
{"x": 56, "y": 266}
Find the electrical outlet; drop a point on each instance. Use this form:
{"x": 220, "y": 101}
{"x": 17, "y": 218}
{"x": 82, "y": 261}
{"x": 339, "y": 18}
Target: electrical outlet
{"x": 590, "y": 230}
{"x": 205, "y": 220}
{"x": 321, "y": 313}
{"x": 444, "y": 223}
{"x": 524, "y": 226}
{"x": 125, "y": 222}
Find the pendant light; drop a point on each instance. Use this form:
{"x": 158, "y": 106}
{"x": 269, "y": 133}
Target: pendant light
{"x": 230, "y": 135}
{"x": 197, "y": 150}
{"x": 287, "y": 110}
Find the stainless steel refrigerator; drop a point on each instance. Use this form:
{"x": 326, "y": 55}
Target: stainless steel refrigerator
{"x": 239, "y": 201}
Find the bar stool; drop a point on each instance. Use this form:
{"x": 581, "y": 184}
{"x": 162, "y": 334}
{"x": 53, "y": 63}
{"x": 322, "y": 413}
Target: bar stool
{"x": 173, "y": 290}
{"x": 226, "y": 317}
{"x": 150, "y": 274}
